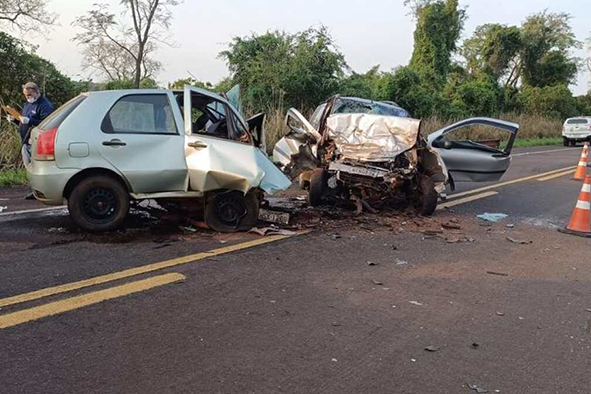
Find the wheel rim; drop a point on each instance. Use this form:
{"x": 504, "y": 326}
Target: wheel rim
{"x": 229, "y": 209}
{"x": 100, "y": 205}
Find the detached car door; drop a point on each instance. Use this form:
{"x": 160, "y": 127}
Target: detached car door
{"x": 220, "y": 153}
{"x": 140, "y": 138}
{"x": 474, "y": 161}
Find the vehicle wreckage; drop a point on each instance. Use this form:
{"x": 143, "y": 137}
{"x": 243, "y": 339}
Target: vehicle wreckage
{"x": 373, "y": 154}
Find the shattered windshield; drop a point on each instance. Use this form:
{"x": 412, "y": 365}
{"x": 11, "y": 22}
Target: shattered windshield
{"x": 368, "y": 107}
{"x": 233, "y": 97}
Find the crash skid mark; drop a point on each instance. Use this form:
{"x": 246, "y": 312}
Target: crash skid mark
{"x": 53, "y": 308}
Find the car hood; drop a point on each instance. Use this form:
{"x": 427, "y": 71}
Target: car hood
{"x": 371, "y": 138}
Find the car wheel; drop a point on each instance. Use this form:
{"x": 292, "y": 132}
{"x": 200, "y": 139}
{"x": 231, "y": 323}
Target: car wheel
{"x": 99, "y": 203}
{"x": 565, "y": 141}
{"x": 317, "y": 187}
{"x": 573, "y": 142}
{"x": 231, "y": 211}
{"x": 427, "y": 196}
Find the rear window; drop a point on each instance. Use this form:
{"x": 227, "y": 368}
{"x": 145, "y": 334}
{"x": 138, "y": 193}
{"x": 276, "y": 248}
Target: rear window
{"x": 576, "y": 121}
{"x": 55, "y": 119}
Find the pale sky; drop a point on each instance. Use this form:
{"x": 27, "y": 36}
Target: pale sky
{"x": 368, "y": 33}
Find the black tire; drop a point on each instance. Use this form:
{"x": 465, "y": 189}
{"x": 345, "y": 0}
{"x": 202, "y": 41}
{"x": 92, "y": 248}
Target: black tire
{"x": 318, "y": 186}
{"x": 573, "y": 142}
{"x": 426, "y": 202}
{"x": 232, "y": 211}
{"x": 565, "y": 141}
{"x": 99, "y": 203}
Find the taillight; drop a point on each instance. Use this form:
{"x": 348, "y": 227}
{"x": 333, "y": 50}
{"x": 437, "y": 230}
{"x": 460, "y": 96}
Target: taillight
{"x": 46, "y": 145}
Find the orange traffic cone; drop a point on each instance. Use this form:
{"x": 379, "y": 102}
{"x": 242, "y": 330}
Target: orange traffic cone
{"x": 581, "y": 172}
{"x": 580, "y": 221}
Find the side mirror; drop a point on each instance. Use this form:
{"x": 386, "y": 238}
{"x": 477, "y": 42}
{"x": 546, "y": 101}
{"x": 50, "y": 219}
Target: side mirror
{"x": 442, "y": 143}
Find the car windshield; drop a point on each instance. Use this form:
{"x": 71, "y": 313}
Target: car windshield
{"x": 344, "y": 106}
{"x": 576, "y": 121}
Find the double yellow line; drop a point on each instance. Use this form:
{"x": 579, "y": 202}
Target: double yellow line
{"x": 53, "y": 308}
{"x": 486, "y": 191}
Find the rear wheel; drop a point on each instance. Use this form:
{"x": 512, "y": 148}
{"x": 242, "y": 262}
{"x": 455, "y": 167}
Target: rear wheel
{"x": 99, "y": 203}
{"x": 565, "y": 141}
{"x": 573, "y": 142}
{"x": 317, "y": 187}
{"x": 231, "y": 211}
{"x": 427, "y": 196}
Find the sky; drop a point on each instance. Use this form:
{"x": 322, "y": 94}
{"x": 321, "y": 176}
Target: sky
{"x": 367, "y": 33}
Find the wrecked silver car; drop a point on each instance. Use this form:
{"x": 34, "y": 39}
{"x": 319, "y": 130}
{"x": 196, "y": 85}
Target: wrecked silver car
{"x": 372, "y": 153}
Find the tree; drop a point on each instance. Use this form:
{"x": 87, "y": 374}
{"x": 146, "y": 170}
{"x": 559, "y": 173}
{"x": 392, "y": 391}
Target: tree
{"x": 493, "y": 49}
{"x": 553, "y": 101}
{"x": 545, "y": 60}
{"x": 117, "y": 49}
{"x": 439, "y": 24}
{"x": 275, "y": 68}
{"x": 25, "y": 15}
{"x": 180, "y": 83}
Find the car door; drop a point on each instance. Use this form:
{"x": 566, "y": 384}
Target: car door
{"x": 226, "y": 160}
{"x": 300, "y": 133}
{"x": 474, "y": 161}
{"x": 141, "y": 139}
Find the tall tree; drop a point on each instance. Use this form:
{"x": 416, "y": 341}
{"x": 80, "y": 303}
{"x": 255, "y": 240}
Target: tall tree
{"x": 25, "y": 15}
{"x": 439, "y": 24}
{"x": 119, "y": 48}
{"x": 545, "y": 54}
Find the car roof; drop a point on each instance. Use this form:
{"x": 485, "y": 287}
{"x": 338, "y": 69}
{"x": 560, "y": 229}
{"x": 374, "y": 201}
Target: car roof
{"x": 367, "y": 101}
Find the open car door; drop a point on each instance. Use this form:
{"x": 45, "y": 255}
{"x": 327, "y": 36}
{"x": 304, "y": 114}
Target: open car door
{"x": 473, "y": 161}
{"x": 220, "y": 153}
{"x": 301, "y": 135}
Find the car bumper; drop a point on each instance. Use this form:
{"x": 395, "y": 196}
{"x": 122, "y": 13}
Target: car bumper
{"x": 48, "y": 181}
{"x": 577, "y": 137}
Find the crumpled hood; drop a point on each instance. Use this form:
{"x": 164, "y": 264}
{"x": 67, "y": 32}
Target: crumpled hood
{"x": 372, "y": 138}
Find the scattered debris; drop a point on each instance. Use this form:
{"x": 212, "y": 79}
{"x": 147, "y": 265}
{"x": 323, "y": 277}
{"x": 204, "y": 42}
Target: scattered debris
{"x": 518, "y": 241}
{"x": 492, "y": 217}
{"x": 510, "y": 226}
{"x": 500, "y": 314}
{"x": 451, "y": 226}
{"x": 475, "y": 345}
{"x": 371, "y": 263}
{"x": 56, "y": 230}
{"x": 431, "y": 349}
{"x": 476, "y": 388}
{"x": 413, "y": 360}
{"x": 334, "y": 360}
{"x": 335, "y": 324}
{"x": 189, "y": 229}
{"x": 497, "y": 273}
{"x": 455, "y": 240}
{"x": 588, "y": 310}
{"x": 415, "y": 303}
{"x": 274, "y": 217}
{"x": 335, "y": 237}
{"x": 377, "y": 282}
{"x": 161, "y": 246}
{"x": 3, "y": 208}
{"x": 273, "y": 230}
{"x": 401, "y": 262}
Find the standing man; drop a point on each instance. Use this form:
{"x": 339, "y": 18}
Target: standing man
{"x": 34, "y": 111}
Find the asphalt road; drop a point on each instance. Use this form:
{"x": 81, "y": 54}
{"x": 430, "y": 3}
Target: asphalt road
{"x": 128, "y": 312}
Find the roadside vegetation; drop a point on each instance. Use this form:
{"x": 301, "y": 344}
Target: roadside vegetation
{"x": 13, "y": 177}
{"x": 519, "y": 73}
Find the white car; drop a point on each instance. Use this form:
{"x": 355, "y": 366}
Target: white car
{"x": 576, "y": 130}
{"x": 102, "y": 151}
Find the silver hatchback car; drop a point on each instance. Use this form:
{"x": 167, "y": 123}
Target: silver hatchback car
{"x": 102, "y": 150}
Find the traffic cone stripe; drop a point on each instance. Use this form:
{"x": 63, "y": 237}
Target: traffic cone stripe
{"x": 586, "y": 188}
{"x": 582, "y": 163}
{"x": 586, "y": 205}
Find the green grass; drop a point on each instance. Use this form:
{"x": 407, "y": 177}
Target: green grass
{"x": 526, "y": 143}
{"x": 13, "y": 177}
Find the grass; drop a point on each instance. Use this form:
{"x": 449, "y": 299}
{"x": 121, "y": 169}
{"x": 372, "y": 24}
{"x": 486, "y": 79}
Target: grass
{"x": 526, "y": 143}
{"x": 13, "y": 177}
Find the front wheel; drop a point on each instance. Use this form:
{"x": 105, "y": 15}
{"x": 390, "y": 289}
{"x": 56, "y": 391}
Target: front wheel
{"x": 565, "y": 141}
{"x": 426, "y": 202}
{"x": 317, "y": 188}
{"x": 231, "y": 211}
{"x": 99, "y": 203}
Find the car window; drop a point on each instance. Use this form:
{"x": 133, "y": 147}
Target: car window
{"x": 56, "y": 118}
{"x": 369, "y": 107}
{"x": 576, "y": 121}
{"x": 315, "y": 119}
{"x": 140, "y": 113}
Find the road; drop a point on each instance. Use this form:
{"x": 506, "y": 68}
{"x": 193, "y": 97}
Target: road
{"x": 349, "y": 307}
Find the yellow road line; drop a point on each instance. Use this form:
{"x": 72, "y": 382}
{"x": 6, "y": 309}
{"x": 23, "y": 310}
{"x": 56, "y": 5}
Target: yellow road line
{"x": 135, "y": 271}
{"x": 69, "y": 304}
{"x": 466, "y": 199}
{"x": 547, "y": 178}
{"x": 497, "y": 185}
